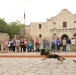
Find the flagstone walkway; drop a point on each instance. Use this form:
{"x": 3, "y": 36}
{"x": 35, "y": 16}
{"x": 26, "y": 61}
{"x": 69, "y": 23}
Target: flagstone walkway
{"x": 32, "y": 64}
{"x": 36, "y": 66}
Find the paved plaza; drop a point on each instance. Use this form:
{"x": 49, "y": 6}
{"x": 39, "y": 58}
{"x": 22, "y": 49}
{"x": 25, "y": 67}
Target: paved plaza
{"x": 36, "y": 66}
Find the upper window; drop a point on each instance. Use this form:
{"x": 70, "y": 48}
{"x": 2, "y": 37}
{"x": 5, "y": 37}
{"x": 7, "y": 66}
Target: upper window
{"x": 64, "y": 24}
{"x": 40, "y": 35}
{"x": 39, "y": 26}
{"x": 54, "y": 23}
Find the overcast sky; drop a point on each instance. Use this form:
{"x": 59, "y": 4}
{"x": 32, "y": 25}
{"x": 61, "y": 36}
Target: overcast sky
{"x": 36, "y": 10}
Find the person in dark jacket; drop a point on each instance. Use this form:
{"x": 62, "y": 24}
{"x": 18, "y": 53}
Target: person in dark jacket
{"x": 68, "y": 46}
{"x": 22, "y": 44}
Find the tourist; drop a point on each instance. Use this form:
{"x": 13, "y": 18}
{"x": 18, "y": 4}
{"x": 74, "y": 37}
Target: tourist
{"x": 5, "y": 45}
{"x": 72, "y": 44}
{"x": 53, "y": 44}
{"x": 44, "y": 43}
{"x": 30, "y": 46}
{"x": 13, "y": 44}
{"x": 48, "y": 45}
{"x": 58, "y": 44}
{"x": 21, "y": 43}
{"x": 64, "y": 44}
{"x": 37, "y": 45}
{"x": 17, "y": 44}
{"x": 68, "y": 46}
{"x": 32, "y": 41}
{"x": 24, "y": 45}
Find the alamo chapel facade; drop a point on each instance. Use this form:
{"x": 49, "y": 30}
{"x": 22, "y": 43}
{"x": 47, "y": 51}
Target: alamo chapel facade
{"x": 62, "y": 25}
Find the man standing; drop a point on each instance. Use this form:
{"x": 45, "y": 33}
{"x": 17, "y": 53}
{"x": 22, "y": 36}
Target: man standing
{"x": 72, "y": 44}
{"x": 22, "y": 44}
{"x": 53, "y": 44}
{"x": 64, "y": 44}
{"x": 32, "y": 41}
{"x": 68, "y": 42}
{"x": 44, "y": 43}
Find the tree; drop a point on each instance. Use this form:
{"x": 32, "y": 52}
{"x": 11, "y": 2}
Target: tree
{"x": 3, "y": 26}
{"x": 13, "y": 28}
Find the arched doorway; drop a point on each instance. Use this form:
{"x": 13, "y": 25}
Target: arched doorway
{"x": 64, "y": 36}
{"x": 54, "y": 35}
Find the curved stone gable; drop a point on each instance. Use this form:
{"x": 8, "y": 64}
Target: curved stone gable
{"x": 63, "y": 15}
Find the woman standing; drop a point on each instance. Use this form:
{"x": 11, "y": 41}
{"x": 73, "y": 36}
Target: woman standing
{"x": 64, "y": 44}
{"x": 58, "y": 44}
{"x": 17, "y": 44}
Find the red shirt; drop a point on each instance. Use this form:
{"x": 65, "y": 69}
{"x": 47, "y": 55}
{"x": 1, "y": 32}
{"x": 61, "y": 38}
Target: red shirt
{"x": 37, "y": 41}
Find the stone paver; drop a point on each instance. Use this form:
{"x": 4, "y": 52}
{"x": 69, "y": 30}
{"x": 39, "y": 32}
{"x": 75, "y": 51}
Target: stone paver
{"x": 36, "y": 66}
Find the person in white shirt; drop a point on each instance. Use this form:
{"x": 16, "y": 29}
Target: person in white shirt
{"x": 68, "y": 47}
{"x": 72, "y": 44}
{"x": 64, "y": 44}
{"x": 17, "y": 44}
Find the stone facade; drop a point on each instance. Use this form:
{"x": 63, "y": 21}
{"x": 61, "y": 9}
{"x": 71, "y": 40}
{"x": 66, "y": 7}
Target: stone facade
{"x": 64, "y": 24}
{"x": 3, "y": 36}
{"x": 27, "y": 32}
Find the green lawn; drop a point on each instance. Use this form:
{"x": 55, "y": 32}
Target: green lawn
{"x": 61, "y": 48}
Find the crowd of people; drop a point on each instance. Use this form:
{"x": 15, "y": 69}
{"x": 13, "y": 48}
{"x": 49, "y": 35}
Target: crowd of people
{"x": 19, "y": 45}
{"x": 22, "y": 45}
{"x": 56, "y": 44}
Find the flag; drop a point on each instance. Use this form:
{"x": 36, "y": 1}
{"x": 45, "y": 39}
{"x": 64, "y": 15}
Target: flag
{"x": 24, "y": 15}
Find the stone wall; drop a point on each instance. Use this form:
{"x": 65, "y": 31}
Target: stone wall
{"x": 3, "y": 36}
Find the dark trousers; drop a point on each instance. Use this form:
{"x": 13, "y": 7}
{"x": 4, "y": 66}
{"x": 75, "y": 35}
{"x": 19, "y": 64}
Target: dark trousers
{"x": 64, "y": 48}
{"x": 53, "y": 48}
{"x": 13, "y": 48}
{"x": 0, "y": 47}
{"x": 22, "y": 47}
{"x": 33, "y": 47}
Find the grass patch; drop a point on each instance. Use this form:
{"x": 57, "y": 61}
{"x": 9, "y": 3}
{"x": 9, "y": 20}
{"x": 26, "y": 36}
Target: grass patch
{"x": 73, "y": 48}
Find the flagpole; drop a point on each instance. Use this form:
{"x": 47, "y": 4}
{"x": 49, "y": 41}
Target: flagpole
{"x": 24, "y": 17}
{"x": 24, "y": 23}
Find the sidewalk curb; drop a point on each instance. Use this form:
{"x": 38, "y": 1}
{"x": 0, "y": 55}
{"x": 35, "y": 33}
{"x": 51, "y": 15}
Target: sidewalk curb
{"x": 32, "y": 56}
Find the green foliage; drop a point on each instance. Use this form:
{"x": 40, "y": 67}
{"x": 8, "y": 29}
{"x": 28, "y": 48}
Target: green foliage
{"x": 12, "y": 29}
{"x": 22, "y": 25}
{"x": 3, "y": 26}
